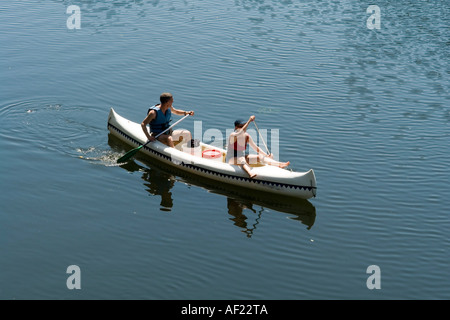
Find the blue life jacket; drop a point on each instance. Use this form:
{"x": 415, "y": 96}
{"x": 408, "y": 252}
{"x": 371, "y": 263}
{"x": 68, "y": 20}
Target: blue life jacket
{"x": 161, "y": 122}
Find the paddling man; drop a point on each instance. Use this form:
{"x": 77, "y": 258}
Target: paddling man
{"x": 237, "y": 145}
{"x": 159, "y": 117}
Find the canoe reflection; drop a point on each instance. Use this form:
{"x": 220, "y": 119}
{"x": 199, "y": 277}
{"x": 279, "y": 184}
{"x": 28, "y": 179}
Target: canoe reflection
{"x": 157, "y": 182}
{"x": 159, "y": 179}
{"x": 299, "y": 209}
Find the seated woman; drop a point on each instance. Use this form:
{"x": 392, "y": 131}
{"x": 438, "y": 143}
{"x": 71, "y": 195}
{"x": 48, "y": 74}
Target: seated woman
{"x": 237, "y": 145}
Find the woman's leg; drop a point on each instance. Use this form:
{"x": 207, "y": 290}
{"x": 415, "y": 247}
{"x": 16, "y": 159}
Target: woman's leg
{"x": 243, "y": 163}
{"x": 270, "y": 161}
{"x": 247, "y": 169}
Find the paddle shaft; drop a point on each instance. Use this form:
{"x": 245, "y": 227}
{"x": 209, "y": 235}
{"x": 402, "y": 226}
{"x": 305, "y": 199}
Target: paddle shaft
{"x": 262, "y": 139}
{"x": 168, "y": 128}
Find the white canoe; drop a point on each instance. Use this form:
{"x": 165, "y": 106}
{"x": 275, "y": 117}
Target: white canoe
{"x": 269, "y": 178}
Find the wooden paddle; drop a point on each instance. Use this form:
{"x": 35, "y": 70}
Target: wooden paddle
{"x": 131, "y": 153}
{"x": 262, "y": 139}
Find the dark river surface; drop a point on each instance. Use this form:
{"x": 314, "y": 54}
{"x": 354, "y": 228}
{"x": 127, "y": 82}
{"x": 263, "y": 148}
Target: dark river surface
{"x": 366, "y": 108}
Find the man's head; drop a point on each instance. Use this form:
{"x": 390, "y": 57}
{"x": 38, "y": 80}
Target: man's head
{"x": 165, "y": 97}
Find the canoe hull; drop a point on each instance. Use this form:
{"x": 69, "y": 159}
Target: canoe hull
{"x": 269, "y": 178}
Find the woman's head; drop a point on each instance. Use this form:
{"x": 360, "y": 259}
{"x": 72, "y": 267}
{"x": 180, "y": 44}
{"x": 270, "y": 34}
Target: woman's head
{"x": 239, "y": 123}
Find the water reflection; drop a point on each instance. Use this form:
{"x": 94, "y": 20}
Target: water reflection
{"x": 240, "y": 208}
{"x": 159, "y": 179}
{"x": 236, "y": 210}
{"x": 160, "y": 183}
{"x": 238, "y": 202}
{"x": 157, "y": 183}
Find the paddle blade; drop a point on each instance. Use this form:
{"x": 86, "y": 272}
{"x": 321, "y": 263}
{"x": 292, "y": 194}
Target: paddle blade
{"x": 128, "y": 155}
